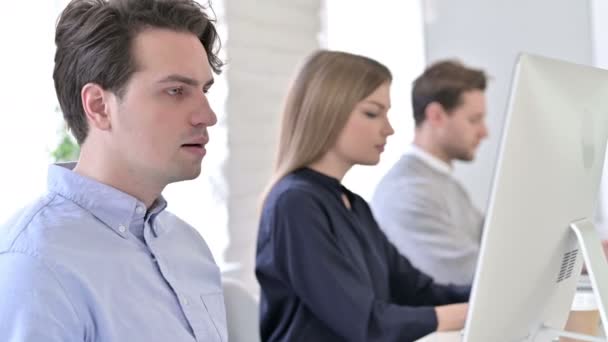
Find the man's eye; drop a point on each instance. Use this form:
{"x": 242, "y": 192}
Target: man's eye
{"x": 371, "y": 114}
{"x": 175, "y": 91}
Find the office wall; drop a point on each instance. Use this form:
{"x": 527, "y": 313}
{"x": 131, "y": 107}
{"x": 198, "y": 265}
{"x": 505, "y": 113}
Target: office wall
{"x": 490, "y": 34}
{"x": 599, "y": 20}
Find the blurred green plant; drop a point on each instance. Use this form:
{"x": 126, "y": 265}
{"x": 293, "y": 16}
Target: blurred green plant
{"x": 67, "y": 150}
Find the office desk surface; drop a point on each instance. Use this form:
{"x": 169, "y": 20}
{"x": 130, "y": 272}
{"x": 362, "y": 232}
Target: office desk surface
{"x": 451, "y": 336}
{"x": 584, "y": 300}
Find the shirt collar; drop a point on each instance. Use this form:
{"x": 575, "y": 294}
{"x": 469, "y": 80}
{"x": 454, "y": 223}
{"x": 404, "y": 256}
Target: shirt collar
{"x": 325, "y": 180}
{"x": 113, "y": 207}
{"x": 432, "y": 161}
{"x": 319, "y": 177}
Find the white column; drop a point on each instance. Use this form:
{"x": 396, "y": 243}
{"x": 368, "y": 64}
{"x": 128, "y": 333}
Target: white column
{"x": 266, "y": 42}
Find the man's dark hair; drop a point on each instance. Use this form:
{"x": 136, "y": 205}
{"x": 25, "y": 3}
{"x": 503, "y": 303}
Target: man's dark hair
{"x": 94, "y": 40}
{"x": 444, "y": 82}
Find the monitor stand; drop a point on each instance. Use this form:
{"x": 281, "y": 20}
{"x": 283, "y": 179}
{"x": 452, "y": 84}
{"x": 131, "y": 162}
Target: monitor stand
{"x": 597, "y": 268}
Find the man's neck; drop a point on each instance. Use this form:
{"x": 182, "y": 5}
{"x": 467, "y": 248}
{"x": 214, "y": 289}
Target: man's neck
{"x": 118, "y": 177}
{"x": 429, "y": 146}
{"x": 433, "y": 162}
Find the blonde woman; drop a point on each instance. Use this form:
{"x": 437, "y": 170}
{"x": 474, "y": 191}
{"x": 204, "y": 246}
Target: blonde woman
{"x": 327, "y": 272}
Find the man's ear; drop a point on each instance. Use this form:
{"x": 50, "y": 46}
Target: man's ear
{"x": 96, "y": 103}
{"x": 435, "y": 113}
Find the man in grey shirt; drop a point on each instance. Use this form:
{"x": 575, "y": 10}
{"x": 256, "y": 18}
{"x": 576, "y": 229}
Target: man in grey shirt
{"x": 422, "y": 208}
{"x": 98, "y": 257}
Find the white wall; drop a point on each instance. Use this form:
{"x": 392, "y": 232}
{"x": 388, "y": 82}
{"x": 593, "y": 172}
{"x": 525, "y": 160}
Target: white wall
{"x": 490, "y": 34}
{"x": 599, "y": 16}
{"x": 30, "y": 126}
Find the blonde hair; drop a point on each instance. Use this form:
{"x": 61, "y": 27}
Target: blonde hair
{"x": 324, "y": 93}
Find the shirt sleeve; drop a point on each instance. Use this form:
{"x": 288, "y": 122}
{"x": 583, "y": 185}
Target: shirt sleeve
{"x": 33, "y": 305}
{"x": 308, "y": 256}
{"x": 410, "y": 285}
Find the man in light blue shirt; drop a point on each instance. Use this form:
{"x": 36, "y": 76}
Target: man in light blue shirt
{"x": 97, "y": 257}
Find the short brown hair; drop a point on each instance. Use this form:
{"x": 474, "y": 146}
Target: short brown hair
{"x": 444, "y": 82}
{"x": 94, "y": 39}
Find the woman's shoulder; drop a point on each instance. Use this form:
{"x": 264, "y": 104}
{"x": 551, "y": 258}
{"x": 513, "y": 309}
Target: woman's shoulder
{"x": 292, "y": 199}
{"x": 292, "y": 189}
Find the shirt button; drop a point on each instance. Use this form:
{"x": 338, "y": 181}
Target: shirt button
{"x": 139, "y": 210}
{"x": 185, "y": 301}
{"x": 122, "y": 229}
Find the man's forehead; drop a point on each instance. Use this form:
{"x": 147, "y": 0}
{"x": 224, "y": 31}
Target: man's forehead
{"x": 170, "y": 52}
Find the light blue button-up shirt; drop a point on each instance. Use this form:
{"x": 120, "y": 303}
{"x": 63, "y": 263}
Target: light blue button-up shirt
{"x": 87, "y": 262}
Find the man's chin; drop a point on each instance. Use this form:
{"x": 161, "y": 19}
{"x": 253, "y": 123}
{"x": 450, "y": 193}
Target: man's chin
{"x": 186, "y": 175}
{"x": 193, "y": 175}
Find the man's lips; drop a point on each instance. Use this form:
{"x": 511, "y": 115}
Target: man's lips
{"x": 197, "y": 141}
{"x": 196, "y": 146}
{"x": 197, "y": 150}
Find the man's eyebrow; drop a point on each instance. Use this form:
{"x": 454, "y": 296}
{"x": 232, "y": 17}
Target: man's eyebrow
{"x": 186, "y": 80}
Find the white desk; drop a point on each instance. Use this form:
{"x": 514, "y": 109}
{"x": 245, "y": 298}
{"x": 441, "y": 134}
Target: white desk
{"x": 584, "y": 299}
{"x": 451, "y": 336}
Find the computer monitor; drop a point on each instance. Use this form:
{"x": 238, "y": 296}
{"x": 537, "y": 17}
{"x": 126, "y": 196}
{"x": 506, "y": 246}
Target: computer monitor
{"x": 547, "y": 177}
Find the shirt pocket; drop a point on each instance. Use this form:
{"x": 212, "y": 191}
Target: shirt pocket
{"x": 212, "y": 326}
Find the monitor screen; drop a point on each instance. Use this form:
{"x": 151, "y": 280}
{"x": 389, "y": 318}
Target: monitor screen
{"x": 547, "y": 176}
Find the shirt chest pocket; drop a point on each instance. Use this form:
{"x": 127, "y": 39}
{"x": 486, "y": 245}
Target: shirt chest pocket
{"x": 207, "y": 318}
